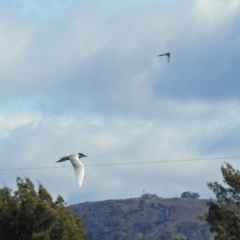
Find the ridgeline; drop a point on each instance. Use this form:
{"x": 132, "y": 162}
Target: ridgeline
{"x": 149, "y": 217}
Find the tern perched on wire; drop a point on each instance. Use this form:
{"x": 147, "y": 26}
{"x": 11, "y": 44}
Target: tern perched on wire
{"x": 78, "y": 166}
{"x": 166, "y": 54}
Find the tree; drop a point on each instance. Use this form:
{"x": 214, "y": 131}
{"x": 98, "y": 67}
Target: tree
{"x": 192, "y": 230}
{"x": 224, "y": 213}
{"x": 29, "y": 214}
{"x": 190, "y": 195}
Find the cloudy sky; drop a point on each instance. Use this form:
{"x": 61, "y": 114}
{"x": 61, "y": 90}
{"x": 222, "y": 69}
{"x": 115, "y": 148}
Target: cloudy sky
{"x": 84, "y": 76}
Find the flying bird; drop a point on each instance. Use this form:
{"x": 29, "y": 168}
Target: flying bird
{"x": 166, "y": 54}
{"x": 78, "y": 166}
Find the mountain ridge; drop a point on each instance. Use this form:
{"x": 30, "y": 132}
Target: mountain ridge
{"x": 147, "y": 217}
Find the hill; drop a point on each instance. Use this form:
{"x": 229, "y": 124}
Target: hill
{"x": 148, "y": 217}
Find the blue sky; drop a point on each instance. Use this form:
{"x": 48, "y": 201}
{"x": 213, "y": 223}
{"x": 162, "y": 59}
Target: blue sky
{"x": 84, "y": 76}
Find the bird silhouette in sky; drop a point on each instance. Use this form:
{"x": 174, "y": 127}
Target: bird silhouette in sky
{"x": 166, "y": 54}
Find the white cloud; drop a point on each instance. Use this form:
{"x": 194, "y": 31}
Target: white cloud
{"x": 9, "y": 122}
{"x": 38, "y": 141}
{"x": 90, "y": 81}
{"x": 15, "y": 44}
{"x": 216, "y": 14}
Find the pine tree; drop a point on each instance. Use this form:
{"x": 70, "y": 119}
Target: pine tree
{"x": 224, "y": 213}
{"x": 29, "y": 214}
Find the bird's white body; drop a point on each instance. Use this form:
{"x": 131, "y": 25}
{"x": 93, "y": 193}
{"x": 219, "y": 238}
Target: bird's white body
{"x": 78, "y": 166}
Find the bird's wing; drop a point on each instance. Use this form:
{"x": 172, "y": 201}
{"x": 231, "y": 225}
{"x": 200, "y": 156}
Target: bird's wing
{"x": 79, "y": 171}
{"x": 64, "y": 158}
{"x": 78, "y": 168}
{"x": 161, "y": 55}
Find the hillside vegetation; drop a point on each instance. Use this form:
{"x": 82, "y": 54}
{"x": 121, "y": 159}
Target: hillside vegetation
{"x": 148, "y": 217}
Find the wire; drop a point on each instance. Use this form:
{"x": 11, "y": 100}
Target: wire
{"x": 124, "y": 163}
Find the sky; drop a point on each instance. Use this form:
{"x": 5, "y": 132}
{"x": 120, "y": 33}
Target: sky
{"x": 84, "y": 76}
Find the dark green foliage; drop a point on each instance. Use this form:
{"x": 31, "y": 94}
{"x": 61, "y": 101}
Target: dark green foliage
{"x": 224, "y": 214}
{"x": 29, "y": 214}
{"x": 190, "y": 195}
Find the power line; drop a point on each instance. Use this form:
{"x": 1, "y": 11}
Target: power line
{"x": 123, "y": 163}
